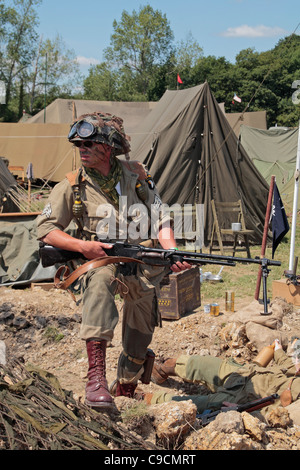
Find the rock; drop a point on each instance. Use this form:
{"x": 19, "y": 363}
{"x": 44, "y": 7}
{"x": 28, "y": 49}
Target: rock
{"x": 228, "y": 422}
{"x": 7, "y": 317}
{"x": 279, "y": 418}
{"x": 62, "y": 320}
{"x": 280, "y": 440}
{"x": 208, "y": 439}
{"x": 174, "y": 419}
{"x": 234, "y": 334}
{"x": 2, "y": 353}
{"x": 294, "y": 412}
{"x": 40, "y": 321}
{"x": 253, "y": 426}
{"x": 20, "y": 323}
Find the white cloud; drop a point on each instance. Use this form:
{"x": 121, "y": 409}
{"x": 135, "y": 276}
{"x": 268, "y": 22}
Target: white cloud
{"x": 260, "y": 31}
{"x": 87, "y": 61}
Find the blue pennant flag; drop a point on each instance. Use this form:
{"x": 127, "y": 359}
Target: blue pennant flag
{"x": 280, "y": 225}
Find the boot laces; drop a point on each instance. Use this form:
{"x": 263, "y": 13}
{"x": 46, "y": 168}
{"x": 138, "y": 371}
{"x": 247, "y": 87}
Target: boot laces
{"x": 99, "y": 362}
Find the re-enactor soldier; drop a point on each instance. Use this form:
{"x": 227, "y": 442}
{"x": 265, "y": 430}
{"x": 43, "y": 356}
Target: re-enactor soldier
{"x": 231, "y": 382}
{"x": 84, "y": 196}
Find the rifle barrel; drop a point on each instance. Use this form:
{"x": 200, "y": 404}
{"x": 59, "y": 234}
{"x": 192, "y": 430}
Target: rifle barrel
{"x": 210, "y": 256}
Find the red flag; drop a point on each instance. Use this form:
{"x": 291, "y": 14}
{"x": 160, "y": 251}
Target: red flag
{"x": 179, "y": 79}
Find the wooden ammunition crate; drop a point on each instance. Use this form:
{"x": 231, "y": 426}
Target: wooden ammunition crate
{"x": 179, "y": 294}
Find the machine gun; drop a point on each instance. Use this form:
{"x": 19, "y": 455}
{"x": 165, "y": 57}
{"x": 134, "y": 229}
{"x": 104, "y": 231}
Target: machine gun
{"x": 209, "y": 416}
{"x": 292, "y": 277}
{"x": 50, "y": 256}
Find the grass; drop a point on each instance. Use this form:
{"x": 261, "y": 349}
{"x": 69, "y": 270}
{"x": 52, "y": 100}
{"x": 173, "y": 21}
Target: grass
{"x": 53, "y": 335}
{"x": 242, "y": 278}
{"x": 135, "y": 413}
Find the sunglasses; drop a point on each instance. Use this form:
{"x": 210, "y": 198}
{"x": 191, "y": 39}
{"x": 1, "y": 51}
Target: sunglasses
{"x": 88, "y": 144}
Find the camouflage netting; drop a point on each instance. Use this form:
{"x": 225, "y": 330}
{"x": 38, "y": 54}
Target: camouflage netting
{"x": 109, "y": 130}
{"x": 37, "y": 414}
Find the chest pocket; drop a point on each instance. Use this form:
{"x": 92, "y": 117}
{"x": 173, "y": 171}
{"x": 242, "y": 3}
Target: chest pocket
{"x": 102, "y": 219}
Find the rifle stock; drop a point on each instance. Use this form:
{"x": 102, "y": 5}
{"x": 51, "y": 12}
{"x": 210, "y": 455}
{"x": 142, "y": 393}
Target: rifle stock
{"x": 207, "y": 418}
{"x": 50, "y": 255}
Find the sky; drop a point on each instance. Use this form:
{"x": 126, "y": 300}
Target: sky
{"x": 221, "y": 27}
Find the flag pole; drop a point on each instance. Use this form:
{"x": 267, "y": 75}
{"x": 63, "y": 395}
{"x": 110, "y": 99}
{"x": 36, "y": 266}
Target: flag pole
{"x": 295, "y": 205}
{"x": 265, "y": 235}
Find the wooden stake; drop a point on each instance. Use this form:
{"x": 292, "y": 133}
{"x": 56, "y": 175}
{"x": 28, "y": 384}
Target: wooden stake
{"x": 265, "y": 235}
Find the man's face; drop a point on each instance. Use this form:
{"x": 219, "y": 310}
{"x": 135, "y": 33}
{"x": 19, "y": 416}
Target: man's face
{"x": 94, "y": 155}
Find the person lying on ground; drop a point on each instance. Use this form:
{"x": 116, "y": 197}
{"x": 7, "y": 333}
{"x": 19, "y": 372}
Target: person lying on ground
{"x": 229, "y": 381}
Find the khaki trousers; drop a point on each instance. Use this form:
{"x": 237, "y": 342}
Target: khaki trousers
{"x": 207, "y": 370}
{"x": 140, "y": 313}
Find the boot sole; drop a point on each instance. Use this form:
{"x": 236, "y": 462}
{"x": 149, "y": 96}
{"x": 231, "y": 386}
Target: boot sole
{"x": 99, "y": 404}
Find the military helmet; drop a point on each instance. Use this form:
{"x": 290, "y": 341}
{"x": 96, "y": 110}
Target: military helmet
{"x": 103, "y": 128}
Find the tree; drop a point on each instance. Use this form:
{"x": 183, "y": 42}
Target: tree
{"x": 265, "y": 80}
{"x": 54, "y": 72}
{"x": 187, "y": 53}
{"x": 101, "y": 84}
{"x": 140, "y": 42}
{"x": 20, "y": 41}
{"x": 26, "y": 63}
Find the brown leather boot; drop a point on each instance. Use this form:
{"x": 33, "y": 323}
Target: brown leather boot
{"x": 162, "y": 370}
{"x": 124, "y": 390}
{"x": 96, "y": 390}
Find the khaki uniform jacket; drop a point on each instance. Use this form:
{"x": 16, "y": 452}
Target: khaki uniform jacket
{"x": 100, "y": 216}
{"x": 250, "y": 382}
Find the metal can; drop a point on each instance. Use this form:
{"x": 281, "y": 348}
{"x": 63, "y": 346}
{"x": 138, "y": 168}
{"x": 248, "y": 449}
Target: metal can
{"x": 229, "y": 301}
{"x": 215, "y": 309}
{"x": 207, "y": 308}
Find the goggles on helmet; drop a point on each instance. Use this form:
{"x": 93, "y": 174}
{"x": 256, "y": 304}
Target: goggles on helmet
{"x": 101, "y": 128}
{"x": 83, "y": 129}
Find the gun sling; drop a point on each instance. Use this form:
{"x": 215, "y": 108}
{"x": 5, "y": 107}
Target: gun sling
{"x": 63, "y": 279}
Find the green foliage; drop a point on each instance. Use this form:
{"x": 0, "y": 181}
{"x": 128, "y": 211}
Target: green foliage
{"x": 140, "y": 42}
{"x": 26, "y": 63}
{"x": 53, "y": 335}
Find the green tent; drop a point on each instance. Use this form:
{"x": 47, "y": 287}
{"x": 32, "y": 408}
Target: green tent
{"x": 287, "y": 196}
{"x": 273, "y": 151}
{"x": 194, "y": 156}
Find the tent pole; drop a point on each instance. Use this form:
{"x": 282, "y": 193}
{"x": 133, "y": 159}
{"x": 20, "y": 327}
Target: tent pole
{"x": 265, "y": 235}
{"x": 74, "y": 116}
{"x": 295, "y": 205}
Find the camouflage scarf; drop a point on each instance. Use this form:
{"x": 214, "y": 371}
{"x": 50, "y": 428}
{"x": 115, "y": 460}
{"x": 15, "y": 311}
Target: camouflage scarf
{"x": 108, "y": 183}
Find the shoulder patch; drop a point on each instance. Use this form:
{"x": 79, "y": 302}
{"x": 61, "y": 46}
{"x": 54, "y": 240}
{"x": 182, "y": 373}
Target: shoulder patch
{"x": 47, "y": 211}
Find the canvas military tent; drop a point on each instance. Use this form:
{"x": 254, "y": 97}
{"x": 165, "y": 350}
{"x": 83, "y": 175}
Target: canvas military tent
{"x": 287, "y": 195}
{"x": 257, "y": 119}
{"x": 273, "y": 151}
{"x": 63, "y": 111}
{"x": 194, "y": 156}
{"x": 45, "y": 144}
